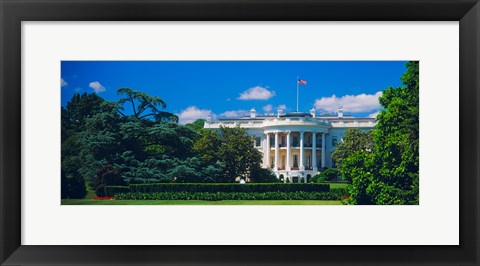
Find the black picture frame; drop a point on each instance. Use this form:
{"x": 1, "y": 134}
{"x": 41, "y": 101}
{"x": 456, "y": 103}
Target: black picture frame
{"x": 13, "y": 12}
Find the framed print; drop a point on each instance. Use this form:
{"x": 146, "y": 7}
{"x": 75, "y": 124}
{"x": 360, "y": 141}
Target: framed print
{"x": 227, "y": 62}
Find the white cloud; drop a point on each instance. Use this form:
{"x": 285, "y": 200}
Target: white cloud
{"x": 282, "y": 107}
{"x": 96, "y": 86}
{"x": 63, "y": 83}
{"x": 78, "y": 89}
{"x": 267, "y": 108}
{"x": 233, "y": 114}
{"x": 350, "y": 103}
{"x": 192, "y": 113}
{"x": 374, "y": 115}
{"x": 256, "y": 93}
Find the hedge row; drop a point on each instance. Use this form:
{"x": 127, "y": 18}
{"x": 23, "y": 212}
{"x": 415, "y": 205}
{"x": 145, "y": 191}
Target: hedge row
{"x": 228, "y": 187}
{"x": 216, "y": 187}
{"x": 112, "y": 190}
{"x": 299, "y": 195}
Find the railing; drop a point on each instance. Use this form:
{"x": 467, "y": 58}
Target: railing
{"x": 291, "y": 121}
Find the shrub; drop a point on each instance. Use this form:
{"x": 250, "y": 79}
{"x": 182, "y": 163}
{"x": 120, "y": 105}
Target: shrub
{"x": 318, "y": 178}
{"x": 331, "y": 174}
{"x": 340, "y": 192}
{"x": 73, "y": 186}
{"x": 262, "y": 175}
{"x": 107, "y": 176}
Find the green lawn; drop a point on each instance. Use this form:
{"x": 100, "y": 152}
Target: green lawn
{"x": 336, "y": 185}
{"x": 198, "y": 202}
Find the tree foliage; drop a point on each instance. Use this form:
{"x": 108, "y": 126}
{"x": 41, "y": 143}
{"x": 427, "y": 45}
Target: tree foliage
{"x": 104, "y": 145}
{"x": 390, "y": 175}
{"x": 237, "y": 152}
{"x": 144, "y": 105}
{"x": 354, "y": 140}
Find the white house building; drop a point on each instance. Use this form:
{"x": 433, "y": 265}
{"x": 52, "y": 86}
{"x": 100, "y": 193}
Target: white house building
{"x": 296, "y": 146}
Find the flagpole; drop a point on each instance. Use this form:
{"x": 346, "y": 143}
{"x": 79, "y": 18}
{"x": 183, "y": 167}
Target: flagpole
{"x": 297, "y": 93}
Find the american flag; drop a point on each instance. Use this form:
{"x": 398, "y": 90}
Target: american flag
{"x": 302, "y": 82}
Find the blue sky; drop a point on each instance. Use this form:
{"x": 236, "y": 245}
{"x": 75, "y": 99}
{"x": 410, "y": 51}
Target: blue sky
{"x": 225, "y": 89}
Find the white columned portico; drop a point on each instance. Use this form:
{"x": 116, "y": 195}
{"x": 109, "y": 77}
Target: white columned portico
{"x": 302, "y": 166}
{"x": 323, "y": 150}
{"x": 288, "y": 151}
{"x": 314, "y": 151}
{"x": 267, "y": 152}
{"x": 276, "y": 151}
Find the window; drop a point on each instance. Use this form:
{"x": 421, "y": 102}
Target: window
{"x": 295, "y": 161}
{"x": 295, "y": 141}
{"x": 334, "y": 141}
{"x": 319, "y": 142}
{"x": 308, "y": 142}
{"x": 258, "y": 141}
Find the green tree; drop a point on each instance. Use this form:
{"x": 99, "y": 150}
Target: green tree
{"x": 358, "y": 168}
{"x": 197, "y": 125}
{"x": 79, "y": 108}
{"x": 354, "y": 140}
{"x": 237, "y": 153}
{"x": 390, "y": 175}
{"x": 208, "y": 146}
{"x": 74, "y": 115}
{"x": 145, "y": 106}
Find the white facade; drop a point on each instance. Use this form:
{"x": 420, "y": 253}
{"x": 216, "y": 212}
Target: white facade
{"x": 296, "y": 146}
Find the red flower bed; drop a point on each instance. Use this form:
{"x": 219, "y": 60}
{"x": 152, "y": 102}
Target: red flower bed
{"x": 103, "y": 198}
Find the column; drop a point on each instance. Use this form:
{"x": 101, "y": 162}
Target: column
{"x": 288, "y": 151}
{"x": 267, "y": 152}
{"x": 302, "y": 167}
{"x": 323, "y": 149}
{"x": 276, "y": 151}
{"x": 262, "y": 145}
{"x": 314, "y": 151}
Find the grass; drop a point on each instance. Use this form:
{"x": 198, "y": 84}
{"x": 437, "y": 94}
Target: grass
{"x": 198, "y": 202}
{"x": 90, "y": 194}
{"x": 336, "y": 185}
